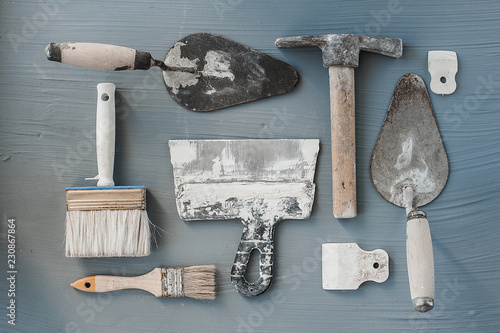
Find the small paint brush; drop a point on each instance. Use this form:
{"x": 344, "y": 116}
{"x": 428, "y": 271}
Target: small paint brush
{"x": 195, "y": 282}
{"x": 107, "y": 220}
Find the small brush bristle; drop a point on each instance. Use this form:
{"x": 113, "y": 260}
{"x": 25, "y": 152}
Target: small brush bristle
{"x": 199, "y": 282}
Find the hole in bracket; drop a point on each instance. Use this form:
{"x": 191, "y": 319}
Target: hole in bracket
{"x": 376, "y": 265}
{"x": 87, "y": 284}
{"x": 105, "y": 97}
{"x": 442, "y": 79}
{"x": 252, "y": 273}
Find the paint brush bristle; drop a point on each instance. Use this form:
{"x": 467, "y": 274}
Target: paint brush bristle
{"x": 199, "y": 282}
{"x": 107, "y": 222}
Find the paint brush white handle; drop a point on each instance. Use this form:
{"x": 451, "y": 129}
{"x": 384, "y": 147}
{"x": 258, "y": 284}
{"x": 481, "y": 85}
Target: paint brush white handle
{"x": 105, "y": 133}
{"x": 420, "y": 260}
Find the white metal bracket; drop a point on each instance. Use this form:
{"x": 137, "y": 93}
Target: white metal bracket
{"x": 443, "y": 66}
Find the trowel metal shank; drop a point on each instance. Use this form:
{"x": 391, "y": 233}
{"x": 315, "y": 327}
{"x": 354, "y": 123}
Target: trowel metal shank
{"x": 261, "y": 182}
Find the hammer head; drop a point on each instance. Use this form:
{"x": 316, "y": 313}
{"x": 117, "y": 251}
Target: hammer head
{"x": 343, "y": 49}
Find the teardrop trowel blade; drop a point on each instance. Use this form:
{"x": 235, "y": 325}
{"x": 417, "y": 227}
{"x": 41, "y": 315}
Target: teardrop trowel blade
{"x": 409, "y": 148}
{"x": 226, "y": 73}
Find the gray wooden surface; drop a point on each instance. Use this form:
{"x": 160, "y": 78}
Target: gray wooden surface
{"x": 47, "y": 140}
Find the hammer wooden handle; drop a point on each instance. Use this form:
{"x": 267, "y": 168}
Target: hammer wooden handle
{"x": 343, "y": 141}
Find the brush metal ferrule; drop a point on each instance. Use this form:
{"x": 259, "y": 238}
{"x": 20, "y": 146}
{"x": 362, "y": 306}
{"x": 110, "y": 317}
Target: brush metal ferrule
{"x": 171, "y": 282}
{"x": 106, "y": 198}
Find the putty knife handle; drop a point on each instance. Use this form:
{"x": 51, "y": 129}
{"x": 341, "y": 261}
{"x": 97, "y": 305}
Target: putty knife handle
{"x": 343, "y": 141}
{"x": 105, "y": 133}
{"x": 99, "y": 56}
{"x": 260, "y": 236}
{"x": 420, "y": 260}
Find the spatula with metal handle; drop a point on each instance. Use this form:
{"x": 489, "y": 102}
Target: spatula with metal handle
{"x": 202, "y": 71}
{"x": 409, "y": 168}
{"x": 260, "y": 182}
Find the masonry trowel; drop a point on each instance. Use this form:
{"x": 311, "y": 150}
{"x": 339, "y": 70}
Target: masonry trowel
{"x": 409, "y": 168}
{"x": 202, "y": 71}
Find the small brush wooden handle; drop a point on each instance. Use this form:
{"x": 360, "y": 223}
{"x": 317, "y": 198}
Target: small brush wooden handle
{"x": 99, "y": 56}
{"x": 150, "y": 282}
{"x": 258, "y": 235}
{"x": 105, "y": 133}
{"x": 342, "y": 111}
{"x": 420, "y": 260}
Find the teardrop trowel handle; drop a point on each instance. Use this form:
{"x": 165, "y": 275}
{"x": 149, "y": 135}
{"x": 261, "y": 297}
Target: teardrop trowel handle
{"x": 99, "y": 56}
{"x": 105, "y": 133}
{"x": 257, "y": 235}
{"x": 420, "y": 260}
{"x": 343, "y": 141}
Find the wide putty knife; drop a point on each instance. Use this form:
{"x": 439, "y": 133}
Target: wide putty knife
{"x": 409, "y": 168}
{"x": 202, "y": 71}
{"x": 261, "y": 182}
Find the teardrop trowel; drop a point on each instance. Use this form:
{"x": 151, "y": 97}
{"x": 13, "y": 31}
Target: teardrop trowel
{"x": 409, "y": 168}
{"x": 202, "y": 71}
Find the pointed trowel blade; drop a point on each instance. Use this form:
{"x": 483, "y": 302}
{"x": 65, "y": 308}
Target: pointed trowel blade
{"x": 225, "y": 73}
{"x": 409, "y": 148}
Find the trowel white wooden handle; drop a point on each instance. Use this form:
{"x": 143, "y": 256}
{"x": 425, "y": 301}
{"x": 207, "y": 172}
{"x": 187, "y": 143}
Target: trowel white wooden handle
{"x": 343, "y": 141}
{"x": 105, "y": 133}
{"x": 420, "y": 260}
{"x": 99, "y": 56}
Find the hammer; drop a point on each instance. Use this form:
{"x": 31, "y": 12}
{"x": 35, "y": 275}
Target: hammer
{"x": 341, "y": 56}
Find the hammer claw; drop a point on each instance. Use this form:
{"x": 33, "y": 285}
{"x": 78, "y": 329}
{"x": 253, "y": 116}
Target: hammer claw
{"x": 392, "y": 47}
{"x": 302, "y": 41}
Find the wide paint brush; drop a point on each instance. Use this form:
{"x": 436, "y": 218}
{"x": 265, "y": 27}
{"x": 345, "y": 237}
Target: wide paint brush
{"x": 107, "y": 220}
